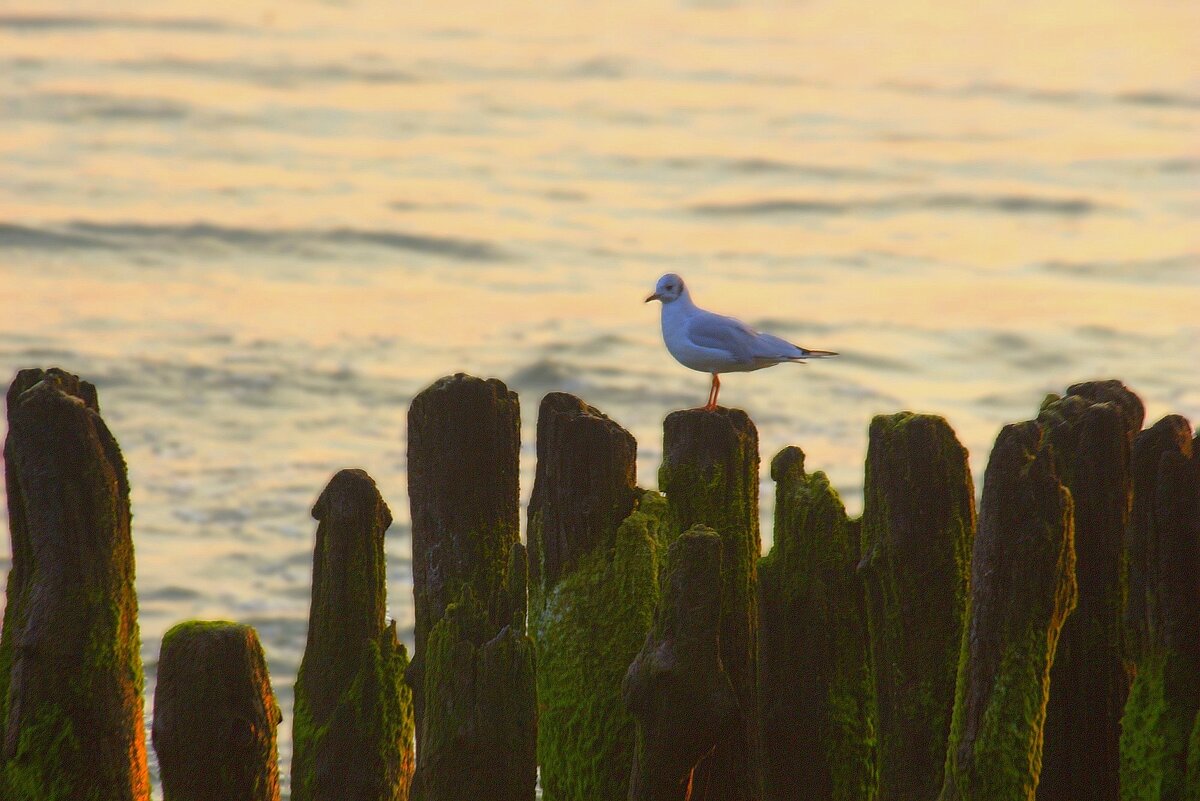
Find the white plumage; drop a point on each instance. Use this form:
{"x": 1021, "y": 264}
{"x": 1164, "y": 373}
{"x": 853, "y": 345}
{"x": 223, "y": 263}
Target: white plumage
{"x": 713, "y": 343}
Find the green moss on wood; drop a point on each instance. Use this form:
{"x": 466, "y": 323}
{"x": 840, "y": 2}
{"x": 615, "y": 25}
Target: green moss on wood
{"x": 1192, "y": 791}
{"x": 676, "y": 687}
{"x": 1157, "y": 728}
{"x": 353, "y": 720}
{"x": 1164, "y": 613}
{"x": 463, "y": 446}
{"x": 814, "y": 680}
{"x": 47, "y": 740}
{"x": 590, "y": 629}
{"x": 710, "y": 477}
{"x": 1090, "y": 431}
{"x": 72, "y": 575}
{"x": 917, "y": 528}
{"x": 215, "y": 715}
{"x": 480, "y": 725}
{"x": 1022, "y": 589}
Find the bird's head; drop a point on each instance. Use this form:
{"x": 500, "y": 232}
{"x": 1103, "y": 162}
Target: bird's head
{"x": 668, "y": 288}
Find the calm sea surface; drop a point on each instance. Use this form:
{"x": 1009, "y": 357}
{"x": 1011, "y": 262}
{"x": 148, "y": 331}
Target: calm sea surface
{"x": 260, "y": 228}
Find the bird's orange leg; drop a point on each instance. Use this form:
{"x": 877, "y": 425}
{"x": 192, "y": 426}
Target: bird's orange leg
{"x": 712, "y": 393}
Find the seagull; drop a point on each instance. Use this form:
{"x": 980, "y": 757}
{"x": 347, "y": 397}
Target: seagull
{"x": 712, "y": 343}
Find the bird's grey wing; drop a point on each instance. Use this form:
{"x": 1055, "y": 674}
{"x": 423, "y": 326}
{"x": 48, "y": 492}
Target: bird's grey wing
{"x": 715, "y": 331}
{"x": 769, "y": 346}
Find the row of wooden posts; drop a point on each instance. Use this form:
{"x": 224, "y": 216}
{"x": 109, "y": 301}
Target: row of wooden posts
{"x": 639, "y": 647}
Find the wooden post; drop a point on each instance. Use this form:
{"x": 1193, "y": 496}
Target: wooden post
{"x": 1022, "y": 588}
{"x": 814, "y": 677}
{"x": 710, "y": 477}
{"x": 593, "y": 564}
{"x": 1091, "y": 429}
{"x": 917, "y": 527}
{"x": 479, "y": 739}
{"x": 676, "y": 688}
{"x": 1163, "y": 615}
{"x": 70, "y": 668}
{"x": 215, "y": 716}
{"x": 353, "y": 722}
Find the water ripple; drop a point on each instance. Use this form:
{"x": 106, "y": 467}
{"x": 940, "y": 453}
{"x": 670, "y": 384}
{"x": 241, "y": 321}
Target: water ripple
{"x": 86, "y": 22}
{"x": 900, "y": 204}
{"x": 81, "y": 234}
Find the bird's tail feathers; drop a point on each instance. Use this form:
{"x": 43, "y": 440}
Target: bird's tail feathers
{"x": 817, "y": 354}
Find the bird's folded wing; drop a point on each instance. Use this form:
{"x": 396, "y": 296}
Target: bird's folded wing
{"x": 715, "y": 331}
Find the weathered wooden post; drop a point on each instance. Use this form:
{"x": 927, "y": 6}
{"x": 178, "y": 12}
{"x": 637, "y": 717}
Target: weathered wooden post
{"x": 814, "y": 679}
{"x": 710, "y": 477}
{"x": 676, "y": 687}
{"x": 472, "y": 670}
{"x": 215, "y": 715}
{"x": 1022, "y": 588}
{"x": 594, "y": 586}
{"x": 353, "y": 722}
{"x": 1163, "y": 615}
{"x": 1091, "y": 429}
{"x": 917, "y": 527}
{"x": 70, "y": 669}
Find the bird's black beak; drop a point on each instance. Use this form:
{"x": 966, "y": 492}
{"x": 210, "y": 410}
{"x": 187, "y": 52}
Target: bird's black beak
{"x": 655, "y": 296}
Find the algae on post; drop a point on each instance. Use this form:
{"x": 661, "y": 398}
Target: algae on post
{"x": 710, "y": 477}
{"x": 353, "y": 720}
{"x": 1022, "y": 589}
{"x": 463, "y": 446}
{"x": 594, "y": 585}
{"x": 593, "y": 623}
{"x": 917, "y": 527}
{"x": 480, "y": 730}
{"x": 215, "y": 715}
{"x": 1164, "y": 615}
{"x": 1090, "y": 429}
{"x": 677, "y": 688}
{"x": 71, "y": 693}
{"x": 814, "y": 676}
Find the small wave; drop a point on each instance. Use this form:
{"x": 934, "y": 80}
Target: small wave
{"x": 46, "y": 22}
{"x": 1182, "y": 166}
{"x": 88, "y": 106}
{"x": 188, "y": 236}
{"x": 545, "y": 375}
{"x": 599, "y": 67}
{"x": 1151, "y": 98}
{"x": 900, "y": 204}
{"x": 1184, "y": 268}
{"x": 1146, "y": 97}
{"x": 277, "y": 75}
{"x": 169, "y": 593}
{"x": 22, "y": 237}
{"x": 768, "y": 166}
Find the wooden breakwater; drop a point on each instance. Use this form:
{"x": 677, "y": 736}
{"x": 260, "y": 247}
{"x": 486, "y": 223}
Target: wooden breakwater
{"x": 1046, "y": 645}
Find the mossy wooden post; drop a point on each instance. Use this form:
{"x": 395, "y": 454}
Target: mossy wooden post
{"x": 676, "y": 687}
{"x": 818, "y": 733}
{"x": 70, "y": 669}
{"x": 352, "y": 729}
{"x": 710, "y": 476}
{"x": 1022, "y": 589}
{"x": 1163, "y": 614}
{"x": 1091, "y": 429}
{"x": 477, "y": 738}
{"x": 215, "y": 715}
{"x": 593, "y": 588}
{"x": 1192, "y": 787}
{"x": 917, "y": 527}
